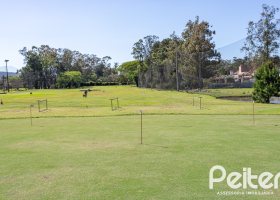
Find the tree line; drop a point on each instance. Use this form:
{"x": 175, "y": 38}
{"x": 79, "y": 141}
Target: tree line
{"x": 47, "y": 67}
{"x": 180, "y": 62}
{"x": 262, "y": 45}
{"x": 187, "y": 61}
{"x": 177, "y": 62}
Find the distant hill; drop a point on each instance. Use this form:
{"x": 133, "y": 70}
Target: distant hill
{"x": 10, "y": 74}
{"x": 10, "y": 69}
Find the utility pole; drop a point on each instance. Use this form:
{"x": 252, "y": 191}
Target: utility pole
{"x": 139, "y": 68}
{"x": 141, "y": 126}
{"x": 152, "y": 75}
{"x": 177, "y": 79}
{"x": 3, "y": 79}
{"x": 7, "y": 75}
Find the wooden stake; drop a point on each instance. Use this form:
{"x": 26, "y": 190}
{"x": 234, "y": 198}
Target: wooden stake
{"x": 193, "y": 101}
{"x": 112, "y": 104}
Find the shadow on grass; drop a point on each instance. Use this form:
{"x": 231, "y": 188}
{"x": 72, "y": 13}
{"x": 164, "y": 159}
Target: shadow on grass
{"x": 154, "y": 145}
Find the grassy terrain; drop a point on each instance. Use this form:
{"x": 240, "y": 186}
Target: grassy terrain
{"x": 101, "y": 158}
{"x": 228, "y": 92}
{"x": 132, "y": 99}
{"x": 80, "y": 149}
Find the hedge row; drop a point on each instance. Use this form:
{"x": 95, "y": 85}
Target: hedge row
{"x": 91, "y": 83}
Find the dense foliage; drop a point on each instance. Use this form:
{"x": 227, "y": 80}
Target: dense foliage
{"x": 262, "y": 45}
{"x": 69, "y": 79}
{"x": 263, "y": 36}
{"x": 267, "y": 83}
{"x": 178, "y": 62}
{"x": 129, "y": 72}
{"x": 45, "y": 64}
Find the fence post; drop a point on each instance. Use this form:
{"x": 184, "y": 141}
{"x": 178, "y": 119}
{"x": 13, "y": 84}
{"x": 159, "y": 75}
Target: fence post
{"x": 200, "y": 102}
{"x": 141, "y": 114}
{"x": 254, "y": 112}
{"x": 112, "y": 104}
{"x": 39, "y": 106}
{"x": 193, "y": 101}
{"x": 31, "y": 106}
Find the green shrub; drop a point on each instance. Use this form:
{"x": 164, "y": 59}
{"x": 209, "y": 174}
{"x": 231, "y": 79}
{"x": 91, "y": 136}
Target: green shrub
{"x": 69, "y": 79}
{"x": 267, "y": 83}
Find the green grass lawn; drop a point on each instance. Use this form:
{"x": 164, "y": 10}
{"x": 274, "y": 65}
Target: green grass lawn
{"x": 80, "y": 149}
{"x": 132, "y": 99}
{"x": 101, "y": 158}
{"x": 228, "y": 92}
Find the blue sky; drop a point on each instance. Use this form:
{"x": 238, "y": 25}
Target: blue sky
{"x": 111, "y": 27}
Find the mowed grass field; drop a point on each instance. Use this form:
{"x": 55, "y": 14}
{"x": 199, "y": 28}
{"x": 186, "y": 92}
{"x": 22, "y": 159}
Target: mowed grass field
{"x": 228, "y": 92}
{"x": 80, "y": 149}
{"x": 131, "y": 100}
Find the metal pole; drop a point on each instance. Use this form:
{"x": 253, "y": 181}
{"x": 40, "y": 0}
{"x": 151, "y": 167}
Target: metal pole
{"x": 200, "y": 103}
{"x": 139, "y": 68}
{"x": 31, "y": 115}
{"x": 118, "y": 103}
{"x": 47, "y": 104}
{"x": 3, "y": 78}
{"x": 7, "y": 75}
{"x": 152, "y": 76}
{"x": 138, "y": 77}
{"x": 111, "y": 104}
{"x": 254, "y": 112}
{"x": 141, "y": 113}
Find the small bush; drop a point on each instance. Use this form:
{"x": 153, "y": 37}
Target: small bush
{"x": 267, "y": 83}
